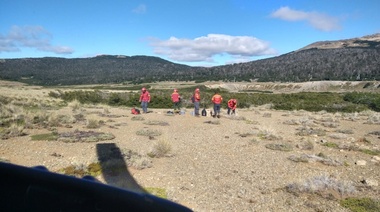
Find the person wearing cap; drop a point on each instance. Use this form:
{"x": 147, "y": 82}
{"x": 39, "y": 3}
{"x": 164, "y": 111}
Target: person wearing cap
{"x": 196, "y": 100}
{"x": 144, "y": 99}
{"x": 217, "y": 100}
{"x": 176, "y": 98}
{"x": 231, "y": 105}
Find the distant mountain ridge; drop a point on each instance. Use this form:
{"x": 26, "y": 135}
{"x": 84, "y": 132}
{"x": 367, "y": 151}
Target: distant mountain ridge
{"x": 346, "y": 60}
{"x": 363, "y": 42}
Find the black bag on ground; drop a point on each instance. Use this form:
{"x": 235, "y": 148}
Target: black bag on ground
{"x": 204, "y": 112}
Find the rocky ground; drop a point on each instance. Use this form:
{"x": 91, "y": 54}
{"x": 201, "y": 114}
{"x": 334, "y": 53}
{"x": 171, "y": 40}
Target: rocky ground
{"x": 258, "y": 160}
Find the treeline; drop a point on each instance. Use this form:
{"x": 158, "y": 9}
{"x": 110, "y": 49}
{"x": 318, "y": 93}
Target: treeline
{"x": 346, "y": 64}
{"x": 330, "y": 102}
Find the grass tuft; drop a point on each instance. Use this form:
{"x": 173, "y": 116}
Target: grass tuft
{"x": 280, "y": 147}
{"x": 161, "y": 148}
{"x": 160, "y": 123}
{"x": 159, "y": 192}
{"x": 324, "y": 186}
{"x": 148, "y": 132}
{"x": 137, "y": 118}
{"x": 92, "y": 124}
{"x": 44, "y": 137}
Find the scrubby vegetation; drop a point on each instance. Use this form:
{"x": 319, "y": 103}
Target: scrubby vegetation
{"x": 324, "y": 186}
{"x": 309, "y": 101}
{"x": 280, "y": 147}
{"x": 76, "y": 136}
{"x": 361, "y": 204}
{"x": 161, "y": 148}
{"x": 148, "y": 132}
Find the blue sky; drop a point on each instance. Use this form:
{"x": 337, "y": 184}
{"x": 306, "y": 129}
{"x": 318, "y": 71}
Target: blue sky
{"x": 192, "y": 32}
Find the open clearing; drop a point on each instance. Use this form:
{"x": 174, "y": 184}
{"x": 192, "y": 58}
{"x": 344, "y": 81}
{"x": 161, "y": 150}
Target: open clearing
{"x": 259, "y": 160}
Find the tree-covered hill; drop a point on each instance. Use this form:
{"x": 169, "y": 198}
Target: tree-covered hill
{"x": 351, "y": 59}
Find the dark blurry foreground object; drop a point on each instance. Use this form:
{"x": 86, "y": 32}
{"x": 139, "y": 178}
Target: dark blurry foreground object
{"x": 37, "y": 189}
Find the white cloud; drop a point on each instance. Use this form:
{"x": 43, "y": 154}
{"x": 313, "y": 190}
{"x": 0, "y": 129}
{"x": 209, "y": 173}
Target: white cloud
{"x": 141, "y": 9}
{"x": 206, "y": 47}
{"x": 319, "y": 21}
{"x": 32, "y": 37}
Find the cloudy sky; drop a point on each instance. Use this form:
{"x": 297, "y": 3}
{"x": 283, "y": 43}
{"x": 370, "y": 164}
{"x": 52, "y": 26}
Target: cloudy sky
{"x": 192, "y": 32}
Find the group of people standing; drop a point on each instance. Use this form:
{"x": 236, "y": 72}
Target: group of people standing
{"x": 216, "y": 99}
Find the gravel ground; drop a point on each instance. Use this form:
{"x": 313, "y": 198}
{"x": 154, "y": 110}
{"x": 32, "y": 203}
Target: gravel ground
{"x": 220, "y": 164}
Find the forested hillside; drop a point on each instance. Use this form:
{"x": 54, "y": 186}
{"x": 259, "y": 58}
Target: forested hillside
{"x": 310, "y": 65}
{"x": 353, "y": 59}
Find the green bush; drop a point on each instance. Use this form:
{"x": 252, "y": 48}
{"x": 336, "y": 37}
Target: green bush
{"x": 309, "y": 101}
{"x": 361, "y": 204}
{"x": 371, "y": 100}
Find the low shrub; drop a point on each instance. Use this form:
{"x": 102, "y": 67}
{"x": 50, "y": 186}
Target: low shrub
{"x": 84, "y": 136}
{"x": 160, "y": 123}
{"x": 330, "y": 144}
{"x": 44, "y": 137}
{"x": 161, "y": 148}
{"x": 159, "y": 192}
{"x": 280, "y": 147}
{"x": 137, "y": 118}
{"x": 92, "y": 124}
{"x": 324, "y": 186}
{"x": 361, "y": 204}
{"x": 148, "y": 132}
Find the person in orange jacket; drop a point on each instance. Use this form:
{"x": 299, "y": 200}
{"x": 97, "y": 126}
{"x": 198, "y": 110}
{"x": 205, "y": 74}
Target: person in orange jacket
{"x": 217, "y": 100}
{"x": 176, "y": 98}
{"x": 144, "y": 99}
{"x": 196, "y": 100}
{"x": 232, "y": 104}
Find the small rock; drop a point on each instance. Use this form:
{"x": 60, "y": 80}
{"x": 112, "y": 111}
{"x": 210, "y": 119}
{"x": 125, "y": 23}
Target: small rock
{"x": 377, "y": 158}
{"x": 361, "y": 162}
{"x": 370, "y": 182}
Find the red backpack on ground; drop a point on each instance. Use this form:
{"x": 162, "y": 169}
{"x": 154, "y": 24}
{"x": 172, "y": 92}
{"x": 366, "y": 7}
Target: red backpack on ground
{"x": 135, "y": 111}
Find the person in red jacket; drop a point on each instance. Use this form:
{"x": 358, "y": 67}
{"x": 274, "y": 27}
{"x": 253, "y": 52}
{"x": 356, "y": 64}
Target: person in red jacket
{"x": 217, "y": 100}
{"x": 232, "y": 103}
{"x": 196, "y": 100}
{"x": 176, "y": 98}
{"x": 144, "y": 99}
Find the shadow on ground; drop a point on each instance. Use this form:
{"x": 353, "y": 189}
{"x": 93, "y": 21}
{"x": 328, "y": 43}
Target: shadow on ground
{"x": 114, "y": 167}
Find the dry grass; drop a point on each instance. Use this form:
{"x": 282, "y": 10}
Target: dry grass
{"x": 137, "y": 160}
{"x": 324, "y": 186}
{"x": 92, "y": 124}
{"x": 75, "y": 105}
{"x": 308, "y": 131}
{"x": 156, "y": 122}
{"x": 306, "y": 158}
{"x": 280, "y": 147}
{"x": 137, "y": 118}
{"x": 161, "y": 148}
{"x": 148, "y": 132}
{"x": 269, "y": 134}
{"x": 84, "y": 136}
